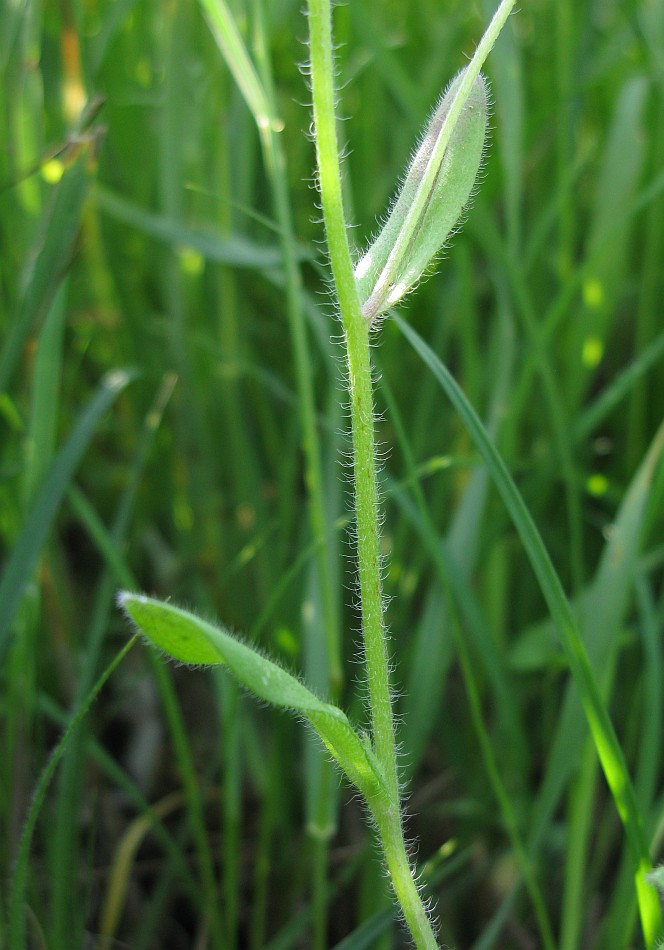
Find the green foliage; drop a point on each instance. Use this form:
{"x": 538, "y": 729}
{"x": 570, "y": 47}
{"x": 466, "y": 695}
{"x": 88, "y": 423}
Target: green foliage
{"x": 156, "y": 220}
{"x": 435, "y": 191}
{"x": 185, "y": 637}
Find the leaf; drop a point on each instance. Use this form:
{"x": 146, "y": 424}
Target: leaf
{"x": 25, "y": 552}
{"x": 49, "y": 260}
{"x": 235, "y": 250}
{"x": 437, "y": 187}
{"x": 604, "y": 736}
{"x": 188, "y": 638}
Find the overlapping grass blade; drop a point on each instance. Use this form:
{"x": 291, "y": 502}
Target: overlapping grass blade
{"x": 20, "y": 878}
{"x": 606, "y": 742}
{"x": 608, "y": 241}
{"x": 236, "y": 251}
{"x": 24, "y": 555}
{"x": 50, "y": 259}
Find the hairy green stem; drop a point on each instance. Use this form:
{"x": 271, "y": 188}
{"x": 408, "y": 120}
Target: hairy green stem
{"x": 356, "y": 332}
{"x": 388, "y": 820}
{"x": 385, "y": 809}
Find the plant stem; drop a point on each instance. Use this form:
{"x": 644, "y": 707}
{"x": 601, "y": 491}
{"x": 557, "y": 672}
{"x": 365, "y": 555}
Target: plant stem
{"x": 356, "y": 332}
{"x": 385, "y": 808}
{"x": 320, "y": 823}
{"x": 388, "y": 821}
{"x": 368, "y": 550}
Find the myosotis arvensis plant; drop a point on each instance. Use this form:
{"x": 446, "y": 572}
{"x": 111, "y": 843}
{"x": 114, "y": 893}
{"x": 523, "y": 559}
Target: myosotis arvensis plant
{"x": 436, "y": 187}
{"x": 435, "y": 190}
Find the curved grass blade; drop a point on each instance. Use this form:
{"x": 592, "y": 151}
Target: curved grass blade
{"x": 51, "y": 257}
{"x": 19, "y": 882}
{"x": 230, "y": 42}
{"x": 26, "y": 550}
{"x": 606, "y": 742}
{"x": 236, "y": 251}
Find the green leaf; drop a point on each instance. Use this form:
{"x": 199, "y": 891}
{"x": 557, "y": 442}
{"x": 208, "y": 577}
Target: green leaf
{"x": 234, "y": 250}
{"x": 188, "y": 638}
{"x": 21, "y": 561}
{"x": 604, "y": 736}
{"x": 437, "y": 187}
{"x": 49, "y": 260}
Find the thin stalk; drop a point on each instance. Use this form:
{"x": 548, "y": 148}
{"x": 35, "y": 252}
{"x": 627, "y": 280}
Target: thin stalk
{"x": 20, "y": 880}
{"x": 356, "y": 332}
{"x": 275, "y": 161}
{"x": 194, "y": 798}
{"x": 259, "y": 96}
{"x": 320, "y": 828}
{"x": 385, "y": 808}
{"x": 388, "y": 820}
{"x": 564, "y": 157}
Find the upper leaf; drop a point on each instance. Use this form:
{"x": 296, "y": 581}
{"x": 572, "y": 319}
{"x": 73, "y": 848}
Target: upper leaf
{"x": 436, "y": 189}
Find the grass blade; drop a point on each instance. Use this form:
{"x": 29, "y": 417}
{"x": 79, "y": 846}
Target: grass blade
{"x": 38, "y": 523}
{"x": 51, "y": 257}
{"x": 19, "y": 881}
{"x": 604, "y": 736}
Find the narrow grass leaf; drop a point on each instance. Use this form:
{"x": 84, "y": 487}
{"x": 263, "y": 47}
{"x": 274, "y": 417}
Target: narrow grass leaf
{"x": 46, "y": 394}
{"x": 236, "y": 251}
{"x": 650, "y": 749}
{"x": 19, "y": 881}
{"x": 50, "y": 258}
{"x": 367, "y": 934}
{"x": 126, "y": 850}
{"x": 604, "y": 736}
{"x": 619, "y": 388}
{"x": 608, "y": 244}
{"x": 120, "y": 779}
{"x": 602, "y": 606}
{"x": 508, "y": 88}
{"x": 24, "y": 555}
{"x": 230, "y": 42}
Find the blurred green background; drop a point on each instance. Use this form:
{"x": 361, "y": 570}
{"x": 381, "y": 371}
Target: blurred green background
{"x": 151, "y": 438}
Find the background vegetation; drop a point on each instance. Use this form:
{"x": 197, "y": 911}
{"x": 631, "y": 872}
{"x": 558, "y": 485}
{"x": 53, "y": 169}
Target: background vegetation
{"x": 151, "y": 438}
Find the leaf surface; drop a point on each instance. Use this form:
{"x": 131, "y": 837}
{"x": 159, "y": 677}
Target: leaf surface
{"x": 190, "y": 639}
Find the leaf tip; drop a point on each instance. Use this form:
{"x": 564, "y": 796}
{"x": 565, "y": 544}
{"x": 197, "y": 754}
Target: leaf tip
{"x": 124, "y": 596}
{"x": 125, "y": 600}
